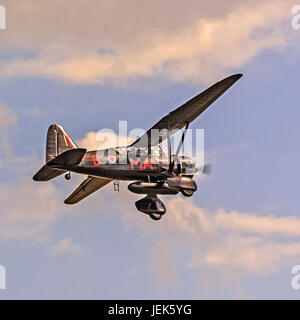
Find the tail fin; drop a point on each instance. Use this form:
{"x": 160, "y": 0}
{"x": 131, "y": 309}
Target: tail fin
{"x": 58, "y": 141}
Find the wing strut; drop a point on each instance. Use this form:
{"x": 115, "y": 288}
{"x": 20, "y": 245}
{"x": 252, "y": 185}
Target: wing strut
{"x": 169, "y": 148}
{"x": 171, "y": 167}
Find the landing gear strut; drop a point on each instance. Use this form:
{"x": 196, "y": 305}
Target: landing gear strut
{"x": 117, "y": 185}
{"x": 68, "y": 176}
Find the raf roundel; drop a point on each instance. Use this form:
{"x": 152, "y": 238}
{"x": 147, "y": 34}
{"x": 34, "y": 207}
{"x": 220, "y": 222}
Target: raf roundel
{"x": 112, "y": 159}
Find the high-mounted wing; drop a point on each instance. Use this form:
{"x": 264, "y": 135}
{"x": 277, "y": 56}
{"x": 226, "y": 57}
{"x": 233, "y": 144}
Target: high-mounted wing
{"x": 188, "y": 112}
{"x": 87, "y": 187}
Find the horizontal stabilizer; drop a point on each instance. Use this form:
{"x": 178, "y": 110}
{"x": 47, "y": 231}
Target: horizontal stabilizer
{"x": 68, "y": 158}
{"x": 46, "y": 174}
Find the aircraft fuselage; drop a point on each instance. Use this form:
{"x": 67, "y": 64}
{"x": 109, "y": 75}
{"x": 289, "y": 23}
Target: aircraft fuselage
{"x": 125, "y": 166}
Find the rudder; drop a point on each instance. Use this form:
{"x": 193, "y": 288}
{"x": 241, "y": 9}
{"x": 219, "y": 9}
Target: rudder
{"x": 58, "y": 141}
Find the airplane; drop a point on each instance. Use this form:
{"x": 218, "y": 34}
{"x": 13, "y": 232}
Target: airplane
{"x": 142, "y": 162}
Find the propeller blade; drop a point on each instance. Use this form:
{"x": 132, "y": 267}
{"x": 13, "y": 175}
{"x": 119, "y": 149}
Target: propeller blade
{"x": 206, "y": 169}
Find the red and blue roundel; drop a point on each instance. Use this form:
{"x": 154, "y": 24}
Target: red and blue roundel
{"x": 112, "y": 159}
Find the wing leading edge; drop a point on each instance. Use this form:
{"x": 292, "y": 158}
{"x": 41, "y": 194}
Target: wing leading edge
{"x": 189, "y": 111}
{"x": 87, "y": 187}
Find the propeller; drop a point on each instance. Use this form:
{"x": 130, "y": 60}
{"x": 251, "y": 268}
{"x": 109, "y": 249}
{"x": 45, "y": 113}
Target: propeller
{"x": 206, "y": 169}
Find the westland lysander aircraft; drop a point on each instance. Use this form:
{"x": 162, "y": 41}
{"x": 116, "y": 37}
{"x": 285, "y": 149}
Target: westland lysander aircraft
{"x": 143, "y": 162}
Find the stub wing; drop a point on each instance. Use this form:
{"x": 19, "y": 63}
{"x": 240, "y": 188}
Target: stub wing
{"x": 87, "y": 187}
{"x": 189, "y": 111}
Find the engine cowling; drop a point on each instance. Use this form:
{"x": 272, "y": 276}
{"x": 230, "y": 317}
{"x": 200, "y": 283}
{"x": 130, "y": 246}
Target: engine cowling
{"x": 182, "y": 182}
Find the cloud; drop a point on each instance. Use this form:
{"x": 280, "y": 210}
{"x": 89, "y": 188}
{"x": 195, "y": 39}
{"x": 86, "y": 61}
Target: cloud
{"x": 66, "y": 246}
{"x": 200, "y": 50}
{"x": 194, "y": 217}
{"x": 103, "y": 139}
{"x": 240, "y": 241}
{"x": 255, "y": 224}
{"x": 241, "y": 253}
{"x": 234, "y": 242}
{"x": 28, "y": 209}
{"x": 7, "y": 117}
{"x": 98, "y": 23}
{"x": 34, "y": 112}
{"x": 164, "y": 265}
{"x": 8, "y": 120}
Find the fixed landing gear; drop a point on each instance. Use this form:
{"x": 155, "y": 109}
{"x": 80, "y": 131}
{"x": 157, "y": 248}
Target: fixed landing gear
{"x": 187, "y": 193}
{"x": 155, "y": 216}
{"x": 68, "y": 176}
{"x": 152, "y": 206}
{"x": 117, "y": 185}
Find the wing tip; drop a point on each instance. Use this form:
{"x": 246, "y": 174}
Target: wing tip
{"x": 67, "y": 201}
{"x": 230, "y": 80}
{"x": 236, "y": 76}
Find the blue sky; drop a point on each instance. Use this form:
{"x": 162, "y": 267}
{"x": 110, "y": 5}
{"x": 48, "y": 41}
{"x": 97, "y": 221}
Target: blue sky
{"x": 238, "y": 237}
